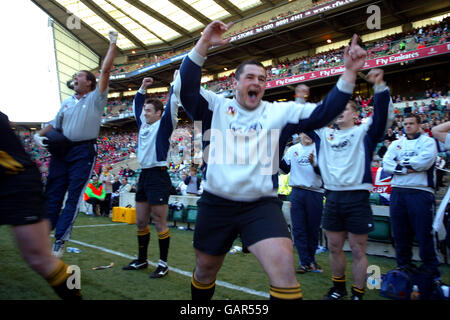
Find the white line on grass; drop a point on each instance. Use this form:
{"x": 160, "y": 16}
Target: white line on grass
{"x": 182, "y": 272}
{"x": 102, "y": 225}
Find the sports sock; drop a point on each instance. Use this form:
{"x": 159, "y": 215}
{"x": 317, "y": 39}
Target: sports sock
{"x": 358, "y": 292}
{"x": 143, "y": 240}
{"x": 164, "y": 240}
{"x": 339, "y": 282}
{"x": 294, "y": 293}
{"x": 58, "y": 281}
{"x": 200, "y": 291}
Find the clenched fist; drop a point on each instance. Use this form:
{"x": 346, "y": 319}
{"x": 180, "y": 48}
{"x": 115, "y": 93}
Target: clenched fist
{"x": 112, "y": 35}
{"x": 146, "y": 82}
{"x": 375, "y": 76}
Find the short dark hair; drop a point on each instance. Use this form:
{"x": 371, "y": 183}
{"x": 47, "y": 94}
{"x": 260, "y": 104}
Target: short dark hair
{"x": 240, "y": 67}
{"x": 90, "y": 77}
{"x": 354, "y": 105}
{"x": 157, "y": 104}
{"x": 412, "y": 115}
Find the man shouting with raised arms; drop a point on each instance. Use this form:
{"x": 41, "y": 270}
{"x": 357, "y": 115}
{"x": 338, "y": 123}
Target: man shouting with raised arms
{"x": 71, "y": 138}
{"x": 240, "y": 191}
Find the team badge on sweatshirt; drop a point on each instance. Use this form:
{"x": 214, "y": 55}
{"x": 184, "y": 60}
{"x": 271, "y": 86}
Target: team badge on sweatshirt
{"x": 399, "y": 147}
{"x": 330, "y": 137}
{"x": 231, "y": 111}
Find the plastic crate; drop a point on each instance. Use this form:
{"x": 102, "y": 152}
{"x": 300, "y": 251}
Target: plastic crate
{"x": 126, "y": 215}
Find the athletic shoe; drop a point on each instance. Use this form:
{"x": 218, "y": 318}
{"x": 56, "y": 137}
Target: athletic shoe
{"x": 316, "y": 267}
{"x": 160, "y": 272}
{"x": 355, "y": 297}
{"x": 136, "y": 265}
{"x": 335, "y": 294}
{"x": 58, "y": 248}
{"x": 304, "y": 269}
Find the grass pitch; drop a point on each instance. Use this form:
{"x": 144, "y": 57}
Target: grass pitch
{"x": 103, "y": 241}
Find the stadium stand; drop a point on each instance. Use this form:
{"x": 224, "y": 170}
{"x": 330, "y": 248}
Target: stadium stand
{"x": 115, "y": 148}
{"x": 418, "y": 86}
{"x": 400, "y": 42}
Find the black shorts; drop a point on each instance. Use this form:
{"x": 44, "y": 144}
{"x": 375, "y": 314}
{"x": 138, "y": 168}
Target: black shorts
{"x": 220, "y": 221}
{"x": 154, "y": 186}
{"x": 22, "y": 200}
{"x": 348, "y": 211}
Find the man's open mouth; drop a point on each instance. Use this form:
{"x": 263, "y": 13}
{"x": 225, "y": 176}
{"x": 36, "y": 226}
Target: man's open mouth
{"x": 252, "y": 94}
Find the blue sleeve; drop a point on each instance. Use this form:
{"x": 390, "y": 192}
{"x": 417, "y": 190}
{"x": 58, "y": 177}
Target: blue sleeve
{"x": 196, "y": 102}
{"x": 170, "y": 115}
{"x": 285, "y": 135}
{"x": 380, "y": 116}
{"x": 285, "y": 167}
{"x": 167, "y": 125}
{"x": 331, "y": 106}
{"x": 316, "y": 140}
{"x": 187, "y": 87}
{"x": 138, "y": 106}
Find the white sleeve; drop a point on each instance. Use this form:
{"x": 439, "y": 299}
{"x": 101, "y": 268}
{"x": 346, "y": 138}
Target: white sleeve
{"x": 293, "y": 111}
{"x": 212, "y": 98}
{"x": 426, "y": 158}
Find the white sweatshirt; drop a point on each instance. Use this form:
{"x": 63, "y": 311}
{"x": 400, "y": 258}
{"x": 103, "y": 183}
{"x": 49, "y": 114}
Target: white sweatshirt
{"x": 418, "y": 154}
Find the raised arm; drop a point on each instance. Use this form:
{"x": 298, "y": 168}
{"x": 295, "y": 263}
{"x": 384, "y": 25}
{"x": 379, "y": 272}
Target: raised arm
{"x": 354, "y": 60}
{"x": 170, "y": 115}
{"x": 440, "y": 132}
{"x": 187, "y": 86}
{"x": 336, "y": 100}
{"x": 108, "y": 62}
{"x": 169, "y": 118}
{"x": 383, "y": 114}
{"x": 139, "y": 100}
{"x": 212, "y": 36}
{"x": 328, "y": 109}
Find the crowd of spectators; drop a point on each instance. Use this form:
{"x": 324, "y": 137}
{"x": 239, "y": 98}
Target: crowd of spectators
{"x": 185, "y": 149}
{"x": 400, "y": 42}
{"x": 185, "y": 152}
{"x": 433, "y": 109}
{"x": 116, "y": 147}
{"x": 282, "y": 15}
{"x": 117, "y": 106}
{"x": 39, "y": 155}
